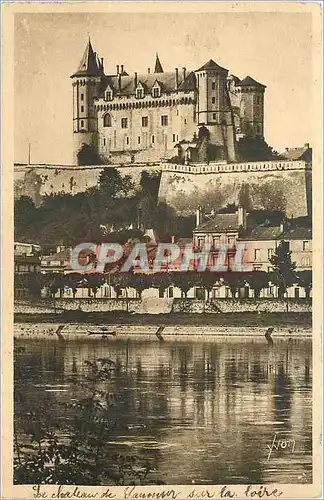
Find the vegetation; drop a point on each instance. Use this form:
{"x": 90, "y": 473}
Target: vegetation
{"x": 283, "y": 275}
{"x": 255, "y": 149}
{"x": 73, "y": 449}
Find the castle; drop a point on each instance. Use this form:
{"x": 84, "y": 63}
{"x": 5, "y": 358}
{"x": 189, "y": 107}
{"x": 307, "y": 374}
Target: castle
{"x": 145, "y": 117}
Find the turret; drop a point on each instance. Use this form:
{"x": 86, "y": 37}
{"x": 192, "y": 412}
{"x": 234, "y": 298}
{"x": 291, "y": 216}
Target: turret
{"x": 214, "y": 110}
{"x": 86, "y": 83}
{"x": 251, "y": 95}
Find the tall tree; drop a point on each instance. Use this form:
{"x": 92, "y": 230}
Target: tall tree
{"x": 284, "y": 274}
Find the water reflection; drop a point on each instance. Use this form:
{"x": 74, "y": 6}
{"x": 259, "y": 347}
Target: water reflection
{"x": 204, "y": 411}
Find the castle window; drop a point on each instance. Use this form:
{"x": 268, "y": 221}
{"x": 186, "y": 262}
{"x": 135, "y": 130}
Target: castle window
{"x": 124, "y": 123}
{"x": 214, "y": 116}
{"x": 108, "y": 95}
{"x": 127, "y": 141}
{"x": 258, "y": 99}
{"x": 213, "y": 85}
{"x": 139, "y": 93}
{"x": 144, "y": 121}
{"x": 82, "y": 123}
{"x": 185, "y": 121}
{"x": 174, "y": 137}
{"x": 104, "y": 142}
{"x": 82, "y": 97}
{"x": 138, "y": 140}
{"x": 107, "y": 120}
{"x": 156, "y": 92}
{"x": 213, "y": 100}
{"x": 153, "y": 139}
{"x": 82, "y": 109}
{"x": 164, "y": 120}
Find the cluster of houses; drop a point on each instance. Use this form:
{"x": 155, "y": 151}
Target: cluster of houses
{"x": 259, "y": 232}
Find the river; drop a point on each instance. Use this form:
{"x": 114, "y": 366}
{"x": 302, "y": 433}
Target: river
{"x": 203, "y": 411}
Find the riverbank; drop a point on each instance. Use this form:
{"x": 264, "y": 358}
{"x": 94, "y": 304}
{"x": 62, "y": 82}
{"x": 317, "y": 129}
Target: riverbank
{"x": 175, "y": 325}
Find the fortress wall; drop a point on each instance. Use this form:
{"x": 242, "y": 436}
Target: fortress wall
{"x": 290, "y": 180}
{"x": 38, "y": 181}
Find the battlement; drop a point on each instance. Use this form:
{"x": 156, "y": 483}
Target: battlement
{"x": 221, "y": 168}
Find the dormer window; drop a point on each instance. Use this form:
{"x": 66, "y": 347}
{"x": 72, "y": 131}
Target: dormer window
{"x": 156, "y": 90}
{"x": 139, "y": 91}
{"x": 108, "y": 95}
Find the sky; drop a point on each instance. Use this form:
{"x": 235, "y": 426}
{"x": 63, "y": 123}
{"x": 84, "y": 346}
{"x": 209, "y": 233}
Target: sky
{"x": 273, "y": 48}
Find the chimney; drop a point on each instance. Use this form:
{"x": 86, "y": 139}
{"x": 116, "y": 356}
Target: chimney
{"x": 102, "y": 66}
{"x": 177, "y": 78}
{"x": 306, "y": 145}
{"x": 117, "y": 69}
{"x": 198, "y": 217}
{"x": 119, "y": 82}
{"x": 122, "y": 68}
{"x": 287, "y": 149}
{"x": 184, "y": 73}
{"x": 135, "y": 80}
{"x": 149, "y": 71}
{"x": 241, "y": 216}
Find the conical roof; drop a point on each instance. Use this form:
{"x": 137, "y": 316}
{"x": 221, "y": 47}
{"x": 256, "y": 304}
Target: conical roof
{"x": 211, "y": 65}
{"x": 158, "y": 66}
{"x": 248, "y": 81}
{"x": 89, "y": 64}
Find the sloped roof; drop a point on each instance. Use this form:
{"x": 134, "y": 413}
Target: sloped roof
{"x": 211, "y": 65}
{"x": 89, "y": 64}
{"x": 127, "y": 83}
{"x": 298, "y": 233}
{"x": 235, "y": 78}
{"x": 158, "y": 66}
{"x": 263, "y": 233}
{"x": 248, "y": 81}
{"x": 63, "y": 255}
{"x": 220, "y": 222}
{"x": 296, "y": 153}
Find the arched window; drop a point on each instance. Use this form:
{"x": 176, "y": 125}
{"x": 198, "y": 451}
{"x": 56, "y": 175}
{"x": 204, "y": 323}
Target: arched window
{"x": 107, "y": 120}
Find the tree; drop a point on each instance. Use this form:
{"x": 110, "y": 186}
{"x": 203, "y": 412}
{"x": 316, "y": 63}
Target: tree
{"x": 234, "y": 281}
{"x": 257, "y": 281}
{"x": 305, "y": 279}
{"x": 162, "y": 282}
{"x": 255, "y": 149}
{"x": 87, "y": 155}
{"x": 284, "y": 274}
{"x": 207, "y": 281}
{"x": 113, "y": 185}
{"x": 185, "y": 280}
{"x": 140, "y": 282}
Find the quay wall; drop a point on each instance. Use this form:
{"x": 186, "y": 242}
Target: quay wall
{"x": 162, "y": 306}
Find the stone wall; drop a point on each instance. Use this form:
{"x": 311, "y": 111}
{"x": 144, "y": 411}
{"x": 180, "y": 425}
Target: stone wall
{"x": 292, "y": 179}
{"x": 136, "y": 306}
{"x": 38, "y": 181}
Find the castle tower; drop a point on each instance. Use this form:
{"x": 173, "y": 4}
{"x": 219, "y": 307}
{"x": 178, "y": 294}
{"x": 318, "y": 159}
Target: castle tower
{"x": 214, "y": 109}
{"x": 251, "y": 107}
{"x": 86, "y": 83}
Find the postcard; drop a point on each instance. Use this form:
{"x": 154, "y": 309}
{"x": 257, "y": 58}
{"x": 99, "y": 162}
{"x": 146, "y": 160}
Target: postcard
{"x": 162, "y": 225}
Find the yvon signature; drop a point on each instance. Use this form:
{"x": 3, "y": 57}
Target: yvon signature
{"x": 281, "y": 444}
